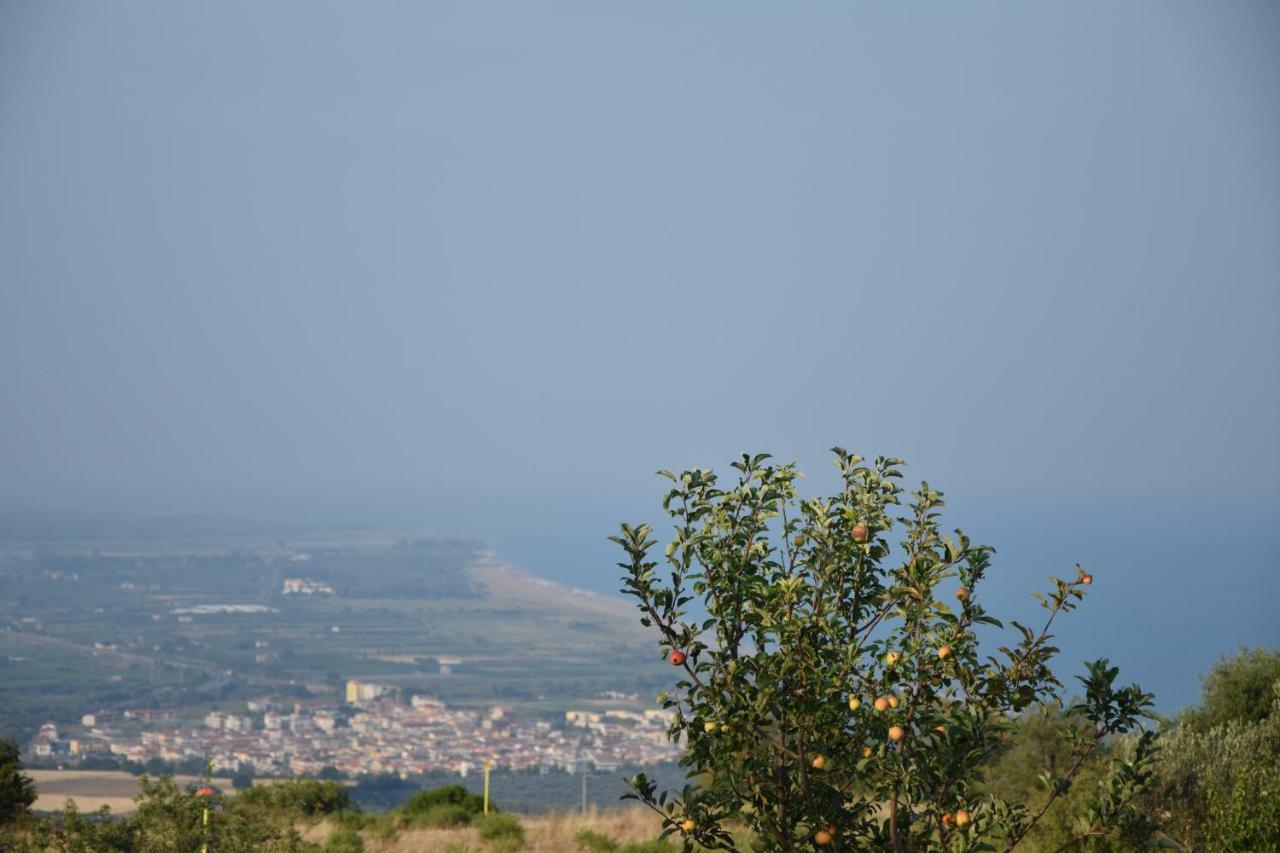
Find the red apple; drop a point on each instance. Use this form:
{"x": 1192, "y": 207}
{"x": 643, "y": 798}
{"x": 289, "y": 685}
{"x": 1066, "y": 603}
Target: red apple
{"x": 677, "y": 657}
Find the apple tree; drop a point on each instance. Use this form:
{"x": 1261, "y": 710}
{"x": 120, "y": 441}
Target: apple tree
{"x": 830, "y": 691}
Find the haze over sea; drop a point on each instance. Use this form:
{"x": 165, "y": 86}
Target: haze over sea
{"x": 483, "y": 268}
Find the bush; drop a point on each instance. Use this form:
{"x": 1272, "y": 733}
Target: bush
{"x": 1237, "y": 689}
{"x": 655, "y": 845}
{"x": 446, "y": 795}
{"x": 597, "y": 842}
{"x": 830, "y": 688}
{"x": 1034, "y": 746}
{"x": 353, "y": 820}
{"x": 167, "y": 820}
{"x": 441, "y": 816}
{"x": 295, "y": 798}
{"x": 502, "y": 831}
{"x": 17, "y": 791}
{"x": 1219, "y": 785}
{"x": 344, "y": 841}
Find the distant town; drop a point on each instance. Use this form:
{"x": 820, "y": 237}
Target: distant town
{"x": 371, "y": 733}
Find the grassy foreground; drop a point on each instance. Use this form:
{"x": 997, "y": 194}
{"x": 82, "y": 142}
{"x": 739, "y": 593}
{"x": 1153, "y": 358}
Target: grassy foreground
{"x": 551, "y": 833}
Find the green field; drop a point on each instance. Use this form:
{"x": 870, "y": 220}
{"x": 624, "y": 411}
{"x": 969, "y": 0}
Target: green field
{"x": 109, "y": 626}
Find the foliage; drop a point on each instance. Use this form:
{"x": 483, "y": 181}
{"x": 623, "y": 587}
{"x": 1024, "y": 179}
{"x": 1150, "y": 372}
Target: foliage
{"x": 1237, "y": 690}
{"x": 502, "y": 831}
{"x": 294, "y": 798}
{"x": 1034, "y": 747}
{"x": 446, "y": 795}
{"x": 829, "y": 696}
{"x": 1219, "y": 787}
{"x": 17, "y": 791}
{"x": 443, "y": 816}
{"x": 599, "y": 842}
{"x": 167, "y": 820}
{"x": 344, "y": 841}
{"x": 596, "y": 842}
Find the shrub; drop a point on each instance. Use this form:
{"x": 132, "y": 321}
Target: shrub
{"x": 502, "y": 831}
{"x": 1219, "y": 788}
{"x": 353, "y": 820}
{"x": 1237, "y": 689}
{"x": 344, "y": 841}
{"x": 789, "y": 621}
{"x": 167, "y": 820}
{"x": 446, "y": 795}
{"x": 597, "y": 842}
{"x": 295, "y": 798}
{"x": 441, "y": 816}
{"x": 17, "y": 791}
{"x": 656, "y": 846}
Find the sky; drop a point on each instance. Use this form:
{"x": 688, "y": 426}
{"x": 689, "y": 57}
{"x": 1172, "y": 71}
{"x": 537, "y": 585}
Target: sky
{"x": 486, "y": 267}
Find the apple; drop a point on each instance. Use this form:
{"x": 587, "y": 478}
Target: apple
{"x": 854, "y": 704}
{"x": 866, "y": 752}
{"x": 944, "y": 652}
{"x": 893, "y": 701}
{"x": 861, "y": 533}
{"x": 881, "y": 704}
{"x": 677, "y": 657}
{"x": 822, "y": 838}
{"x": 709, "y": 726}
{"x": 799, "y": 540}
{"x": 963, "y": 819}
{"x": 948, "y": 819}
{"x": 896, "y": 733}
{"x": 892, "y": 658}
{"x": 688, "y": 825}
{"x": 1086, "y": 579}
{"x": 818, "y": 762}
{"x": 962, "y": 593}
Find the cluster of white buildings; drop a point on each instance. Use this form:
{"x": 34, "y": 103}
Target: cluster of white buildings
{"x": 385, "y": 736}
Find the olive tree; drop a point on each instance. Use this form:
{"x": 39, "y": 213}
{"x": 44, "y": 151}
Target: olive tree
{"x": 830, "y": 688}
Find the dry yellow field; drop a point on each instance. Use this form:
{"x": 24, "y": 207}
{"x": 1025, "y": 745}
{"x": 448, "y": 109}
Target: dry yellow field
{"x": 545, "y": 834}
{"x": 93, "y": 789}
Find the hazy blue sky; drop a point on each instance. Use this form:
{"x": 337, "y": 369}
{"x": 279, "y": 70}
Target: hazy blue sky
{"x": 348, "y": 260}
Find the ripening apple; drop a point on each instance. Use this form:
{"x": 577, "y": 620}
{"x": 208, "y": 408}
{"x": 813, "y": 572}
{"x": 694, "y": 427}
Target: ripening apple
{"x": 860, "y": 533}
{"x": 1086, "y": 579}
{"x": 963, "y": 819}
{"x": 799, "y": 540}
{"x": 944, "y": 652}
{"x": 962, "y": 593}
{"x": 867, "y": 752}
{"x": 893, "y": 700}
{"x": 854, "y": 704}
{"x": 818, "y": 762}
{"x": 822, "y": 838}
{"x": 677, "y": 657}
{"x": 948, "y": 819}
{"x": 896, "y": 733}
{"x": 688, "y": 825}
{"x": 881, "y": 704}
{"x": 892, "y": 658}
{"x": 709, "y": 726}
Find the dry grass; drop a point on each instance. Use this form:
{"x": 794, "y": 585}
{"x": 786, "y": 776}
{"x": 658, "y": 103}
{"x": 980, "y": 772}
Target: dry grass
{"x": 552, "y": 833}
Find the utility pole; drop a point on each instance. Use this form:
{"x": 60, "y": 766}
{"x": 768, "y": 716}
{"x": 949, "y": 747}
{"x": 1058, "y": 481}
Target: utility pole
{"x": 582, "y": 767}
